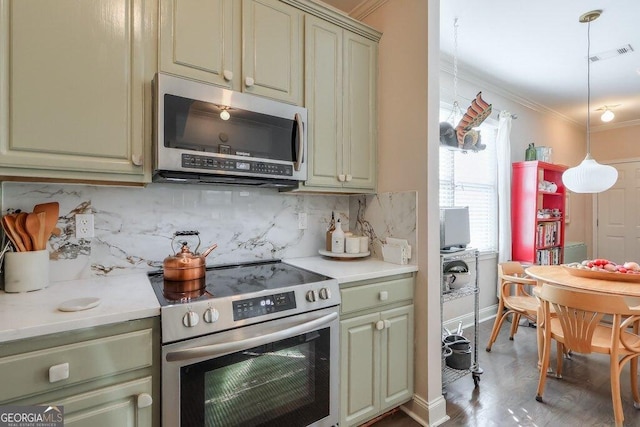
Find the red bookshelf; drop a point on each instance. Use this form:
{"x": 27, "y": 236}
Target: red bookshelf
{"x": 537, "y": 214}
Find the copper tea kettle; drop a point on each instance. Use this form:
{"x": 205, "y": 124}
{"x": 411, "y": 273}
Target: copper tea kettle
{"x": 184, "y": 264}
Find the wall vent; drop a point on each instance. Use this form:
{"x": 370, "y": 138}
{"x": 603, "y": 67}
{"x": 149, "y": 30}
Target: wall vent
{"x": 611, "y": 53}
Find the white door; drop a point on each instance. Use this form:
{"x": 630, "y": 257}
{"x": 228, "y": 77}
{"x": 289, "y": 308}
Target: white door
{"x": 618, "y": 230}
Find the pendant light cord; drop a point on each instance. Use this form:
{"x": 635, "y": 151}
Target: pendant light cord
{"x": 588, "y": 87}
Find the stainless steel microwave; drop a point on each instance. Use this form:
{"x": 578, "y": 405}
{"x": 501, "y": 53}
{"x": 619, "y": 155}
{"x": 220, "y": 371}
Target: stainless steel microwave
{"x": 207, "y": 134}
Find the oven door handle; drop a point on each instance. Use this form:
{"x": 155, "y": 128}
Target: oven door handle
{"x": 216, "y": 350}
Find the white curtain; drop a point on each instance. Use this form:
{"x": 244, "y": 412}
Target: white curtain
{"x": 503, "y": 147}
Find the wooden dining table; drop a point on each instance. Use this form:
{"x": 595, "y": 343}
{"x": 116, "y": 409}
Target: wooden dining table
{"x": 559, "y": 275}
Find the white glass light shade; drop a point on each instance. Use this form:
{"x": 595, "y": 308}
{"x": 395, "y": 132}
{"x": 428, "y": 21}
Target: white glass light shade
{"x": 224, "y": 115}
{"x": 607, "y": 116}
{"x": 590, "y": 177}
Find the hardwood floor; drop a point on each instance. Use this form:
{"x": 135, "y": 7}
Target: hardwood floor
{"x": 505, "y": 395}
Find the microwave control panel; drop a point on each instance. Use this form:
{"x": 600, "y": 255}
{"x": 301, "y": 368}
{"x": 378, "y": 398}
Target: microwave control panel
{"x": 192, "y": 161}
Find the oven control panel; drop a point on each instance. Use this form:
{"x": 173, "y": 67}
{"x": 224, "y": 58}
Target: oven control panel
{"x": 260, "y": 306}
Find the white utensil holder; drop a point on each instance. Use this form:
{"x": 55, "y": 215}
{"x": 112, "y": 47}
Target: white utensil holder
{"x": 26, "y": 271}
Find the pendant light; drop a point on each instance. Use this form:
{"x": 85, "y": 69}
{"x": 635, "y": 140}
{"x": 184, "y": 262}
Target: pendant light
{"x": 589, "y": 176}
{"x": 608, "y": 115}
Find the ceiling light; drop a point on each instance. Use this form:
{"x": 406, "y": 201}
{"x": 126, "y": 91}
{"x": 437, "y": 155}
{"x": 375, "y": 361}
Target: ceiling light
{"x": 607, "y": 116}
{"x": 224, "y": 114}
{"x": 589, "y": 176}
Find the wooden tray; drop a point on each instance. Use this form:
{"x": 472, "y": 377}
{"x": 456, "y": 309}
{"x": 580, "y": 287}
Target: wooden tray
{"x": 602, "y": 275}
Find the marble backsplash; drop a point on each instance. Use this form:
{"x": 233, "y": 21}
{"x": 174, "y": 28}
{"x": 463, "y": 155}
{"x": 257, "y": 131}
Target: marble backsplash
{"x": 134, "y": 226}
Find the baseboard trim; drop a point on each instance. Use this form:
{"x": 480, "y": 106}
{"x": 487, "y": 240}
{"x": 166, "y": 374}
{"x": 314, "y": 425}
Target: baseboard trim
{"x": 484, "y": 314}
{"x": 425, "y": 413}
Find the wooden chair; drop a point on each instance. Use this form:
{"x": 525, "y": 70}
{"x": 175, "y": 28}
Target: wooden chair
{"x": 575, "y": 324}
{"x": 514, "y": 298}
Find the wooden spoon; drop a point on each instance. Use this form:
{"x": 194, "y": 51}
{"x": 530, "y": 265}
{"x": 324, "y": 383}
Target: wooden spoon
{"x": 8, "y": 223}
{"x": 21, "y": 220}
{"x": 35, "y": 229}
{"x": 51, "y": 211}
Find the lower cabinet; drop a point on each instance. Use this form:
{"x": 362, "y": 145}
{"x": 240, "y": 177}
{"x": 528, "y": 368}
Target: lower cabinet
{"x": 376, "y": 346}
{"x": 101, "y": 376}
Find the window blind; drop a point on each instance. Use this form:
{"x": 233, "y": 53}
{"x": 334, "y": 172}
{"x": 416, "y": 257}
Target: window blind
{"x": 470, "y": 179}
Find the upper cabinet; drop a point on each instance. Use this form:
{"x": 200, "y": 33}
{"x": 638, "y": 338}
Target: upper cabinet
{"x": 76, "y": 89}
{"x": 253, "y": 46}
{"x": 340, "y": 93}
{"x": 201, "y": 40}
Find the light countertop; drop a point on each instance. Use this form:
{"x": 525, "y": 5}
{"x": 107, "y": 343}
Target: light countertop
{"x": 351, "y": 270}
{"x": 130, "y": 296}
{"x": 30, "y": 314}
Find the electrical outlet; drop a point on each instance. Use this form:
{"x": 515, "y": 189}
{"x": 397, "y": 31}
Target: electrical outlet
{"x": 302, "y": 221}
{"x": 84, "y": 226}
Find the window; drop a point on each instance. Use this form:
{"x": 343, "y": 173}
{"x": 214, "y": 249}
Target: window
{"x": 470, "y": 179}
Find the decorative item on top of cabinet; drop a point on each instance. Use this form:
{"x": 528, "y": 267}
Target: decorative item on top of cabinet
{"x": 376, "y": 347}
{"x": 340, "y": 94}
{"x": 537, "y": 212}
{"x": 253, "y": 46}
{"x": 86, "y": 118}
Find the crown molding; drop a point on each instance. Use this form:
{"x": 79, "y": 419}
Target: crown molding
{"x": 610, "y": 126}
{"x": 365, "y": 8}
{"x": 446, "y": 65}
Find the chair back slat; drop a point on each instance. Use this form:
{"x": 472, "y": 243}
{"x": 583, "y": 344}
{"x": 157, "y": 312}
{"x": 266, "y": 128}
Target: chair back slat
{"x": 578, "y": 327}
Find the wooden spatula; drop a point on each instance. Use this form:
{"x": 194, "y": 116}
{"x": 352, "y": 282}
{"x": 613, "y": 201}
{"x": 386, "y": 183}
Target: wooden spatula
{"x": 35, "y": 228}
{"x": 51, "y": 211}
{"x": 20, "y": 226}
{"x": 8, "y": 223}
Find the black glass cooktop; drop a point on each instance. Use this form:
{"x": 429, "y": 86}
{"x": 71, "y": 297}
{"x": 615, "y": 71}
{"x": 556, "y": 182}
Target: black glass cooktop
{"x": 230, "y": 280}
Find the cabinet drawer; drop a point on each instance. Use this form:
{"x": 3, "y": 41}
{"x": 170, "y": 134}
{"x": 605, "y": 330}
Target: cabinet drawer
{"x": 29, "y": 373}
{"x": 376, "y": 294}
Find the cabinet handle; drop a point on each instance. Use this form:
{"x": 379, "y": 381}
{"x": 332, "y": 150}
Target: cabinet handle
{"x": 387, "y": 324}
{"x": 227, "y": 75}
{"x": 349, "y": 178}
{"x": 248, "y": 82}
{"x": 58, "y": 372}
{"x": 341, "y": 177}
{"x": 136, "y": 159}
{"x": 144, "y": 400}
{"x": 379, "y": 325}
{"x": 384, "y": 295}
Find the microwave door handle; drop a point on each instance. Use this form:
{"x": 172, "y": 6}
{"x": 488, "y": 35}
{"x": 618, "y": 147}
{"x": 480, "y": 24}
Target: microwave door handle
{"x": 216, "y": 350}
{"x": 300, "y": 150}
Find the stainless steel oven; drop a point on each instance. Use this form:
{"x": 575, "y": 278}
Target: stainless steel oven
{"x": 270, "y": 357}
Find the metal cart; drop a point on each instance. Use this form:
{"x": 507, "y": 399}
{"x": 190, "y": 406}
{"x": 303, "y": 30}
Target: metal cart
{"x": 447, "y": 294}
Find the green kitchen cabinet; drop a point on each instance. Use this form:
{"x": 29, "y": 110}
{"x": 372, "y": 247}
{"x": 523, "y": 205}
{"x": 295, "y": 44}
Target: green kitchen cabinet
{"x": 102, "y": 376}
{"x": 376, "y": 346}
{"x": 254, "y": 46}
{"x": 76, "y": 99}
{"x": 340, "y": 94}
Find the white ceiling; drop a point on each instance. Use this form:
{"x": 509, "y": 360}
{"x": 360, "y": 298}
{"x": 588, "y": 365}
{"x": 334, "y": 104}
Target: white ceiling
{"x": 538, "y": 51}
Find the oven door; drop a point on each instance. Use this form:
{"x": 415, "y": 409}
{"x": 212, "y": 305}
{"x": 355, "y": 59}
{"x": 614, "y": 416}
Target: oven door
{"x": 277, "y": 373}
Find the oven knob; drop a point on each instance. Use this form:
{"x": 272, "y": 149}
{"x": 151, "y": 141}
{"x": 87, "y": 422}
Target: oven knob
{"x": 325, "y": 293}
{"x": 211, "y": 315}
{"x": 312, "y": 296}
{"x": 190, "y": 319}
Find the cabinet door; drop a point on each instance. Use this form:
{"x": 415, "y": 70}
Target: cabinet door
{"x": 199, "y": 39}
{"x": 323, "y": 99}
{"x": 77, "y": 79}
{"x": 272, "y": 50}
{"x": 124, "y": 405}
{"x": 396, "y": 373}
{"x": 360, "y": 367}
{"x": 359, "y": 122}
